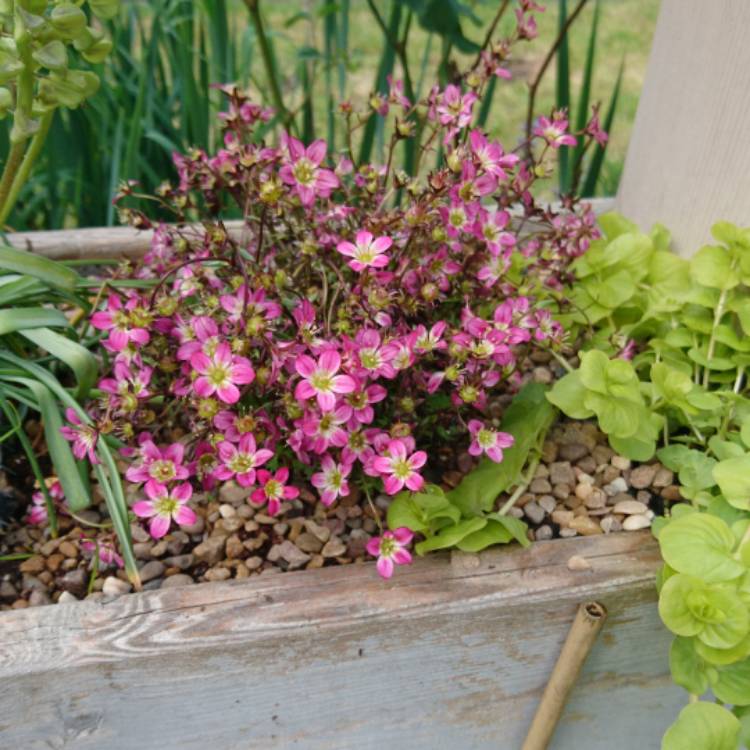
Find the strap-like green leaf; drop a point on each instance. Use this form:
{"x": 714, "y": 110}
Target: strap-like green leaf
{"x": 78, "y": 358}
{"x": 59, "y": 448}
{"x": 51, "y": 272}
{"x": 20, "y": 318}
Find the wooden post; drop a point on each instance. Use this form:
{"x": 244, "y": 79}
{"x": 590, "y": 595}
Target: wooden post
{"x": 688, "y": 163}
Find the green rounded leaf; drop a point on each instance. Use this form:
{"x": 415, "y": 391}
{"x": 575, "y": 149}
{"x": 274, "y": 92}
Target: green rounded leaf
{"x": 712, "y": 267}
{"x": 703, "y": 726}
{"x": 450, "y": 536}
{"x": 567, "y": 395}
{"x": 687, "y": 667}
{"x": 733, "y": 683}
{"x": 733, "y": 477}
{"x": 700, "y": 545}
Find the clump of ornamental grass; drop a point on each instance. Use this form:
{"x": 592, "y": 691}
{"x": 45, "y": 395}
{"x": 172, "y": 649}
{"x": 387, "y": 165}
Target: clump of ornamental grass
{"x": 361, "y": 319}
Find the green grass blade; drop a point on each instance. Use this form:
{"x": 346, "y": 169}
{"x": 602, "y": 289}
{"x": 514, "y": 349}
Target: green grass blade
{"x": 484, "y": 110}
{"x": 597, "y": 160}
{"x": 385, "y": 68}
{"x": 18, "y": 318}
{"x": 65, "y": 463}
{"x": 582, "y": 112}
{"x": 77, "y": 357}
{"x": 114, "y": 497}
{"x": 51, "y": 272}
{"x": 562, "y": 92}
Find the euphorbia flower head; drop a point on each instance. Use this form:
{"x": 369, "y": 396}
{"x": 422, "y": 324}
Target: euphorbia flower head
{"x": 319, "y": 379}
{"x": 366, "y": 252}
{"x": 390, "y": 549}
{"x": 164, "y": 506}
{"x": 273, "y": 489}
{"x": 303, "y": 170}
{"x": 221, "y": 374}
{"x": 489, "y": 441}
{"x": 241, "y": 461}
{"x": 398, "y": 469}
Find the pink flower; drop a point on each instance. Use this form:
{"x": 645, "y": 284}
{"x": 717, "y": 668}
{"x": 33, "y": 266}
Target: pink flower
{"x": 489, "y": 441}
{"x": 390, "y": 549}
{"x": 303, "y": 171}
{"x": 454, "y": 108}
{"x": 221, "y": 374}
{"x": 241, "y": 461}
{"x": 159, "y": 466}
{"x": 128, "y": 387}
{"x": 165, "y": 506}
{"x": 273, "y": 489}
{"x": 553, "y": 131}
{"x": 106, "y": 552}
{"x": 319, "y": 379}
{"x": 332, "y": 480}
{"x": 397, "y": 469}
{"x": 118, "y": 321}
{"x": 367, "y": 252}
{"x": 36, "y": 514}
{"x": 326, "y": 430}
{"x": 82, "y": 436}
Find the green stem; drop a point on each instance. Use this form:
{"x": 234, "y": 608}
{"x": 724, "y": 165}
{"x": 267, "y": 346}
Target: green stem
{"x": 718, "y": 314}
{"x": 24, "y": 170}
{"x": 525, "y": 482}
{"x": 24, "y": 103}
{"x": 12, "y": 163}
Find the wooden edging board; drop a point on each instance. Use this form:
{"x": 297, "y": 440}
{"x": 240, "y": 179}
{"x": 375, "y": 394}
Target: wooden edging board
{"x": 126, "y": 242}
{"x": 453, "y": 652}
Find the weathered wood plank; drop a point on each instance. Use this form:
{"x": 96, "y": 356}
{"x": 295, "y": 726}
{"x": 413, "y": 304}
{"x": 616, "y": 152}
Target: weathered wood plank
{"x": 125, "y": 242}
{"x": 688, "y": 162}
{"x": 450, "y": 654}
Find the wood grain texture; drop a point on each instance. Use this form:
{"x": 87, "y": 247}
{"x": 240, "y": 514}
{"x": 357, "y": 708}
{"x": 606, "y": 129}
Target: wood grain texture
{"x": 688, "y": 161}
{"x": 452, "y": 653}
{"x": 126, "y": 242}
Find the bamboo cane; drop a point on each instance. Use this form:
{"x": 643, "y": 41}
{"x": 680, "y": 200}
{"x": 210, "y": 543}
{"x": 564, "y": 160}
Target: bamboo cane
{"x": 582, "y": 635}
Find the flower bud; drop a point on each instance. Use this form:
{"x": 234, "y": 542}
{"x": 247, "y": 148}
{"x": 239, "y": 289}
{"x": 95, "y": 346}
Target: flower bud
{"x": 98, "y": 52}
{"x": 37, "y": 7}
{"x": 69, "y": 20}
{"x": 6, "y": 101}
{"x": 52, "y": 56}
{"x": 104, "y": 9}
{"x": 454, "y": 161}
{"x": 10, "y": 62}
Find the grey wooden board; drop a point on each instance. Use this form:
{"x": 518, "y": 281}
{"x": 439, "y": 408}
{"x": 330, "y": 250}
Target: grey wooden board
{"x": 688, "y": 161}
{"x": 452, "y": 653}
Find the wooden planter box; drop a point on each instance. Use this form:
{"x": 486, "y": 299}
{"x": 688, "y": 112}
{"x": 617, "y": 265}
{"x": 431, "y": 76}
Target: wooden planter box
{"x": 452, "y": 653}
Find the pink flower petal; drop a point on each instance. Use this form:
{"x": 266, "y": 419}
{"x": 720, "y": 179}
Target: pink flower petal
{"x": 330, "y": 361}
{"x": 185, "y": 516}
{"x": 159, "y": 526}
{"x": 304, "y": 365}
{"x": 229, "y": 393}
{"x": 384, "y": 566}
{"x": 143, "y": 509}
